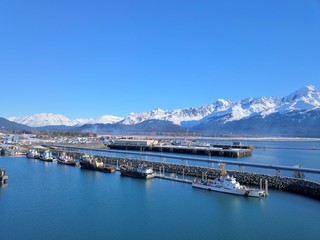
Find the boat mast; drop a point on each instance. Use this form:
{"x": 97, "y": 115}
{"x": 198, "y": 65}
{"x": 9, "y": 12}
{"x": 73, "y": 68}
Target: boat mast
{"x": 223, "y": 171}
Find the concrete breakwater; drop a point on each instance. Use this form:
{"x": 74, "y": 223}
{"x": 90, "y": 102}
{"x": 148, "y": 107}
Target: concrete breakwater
{"x": 295, "y": 185}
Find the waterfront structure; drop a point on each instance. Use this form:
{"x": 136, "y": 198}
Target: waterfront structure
{"x": 134, "y": 142}
{"x": 216, "y": 150}
{"x": 10, "y": 139}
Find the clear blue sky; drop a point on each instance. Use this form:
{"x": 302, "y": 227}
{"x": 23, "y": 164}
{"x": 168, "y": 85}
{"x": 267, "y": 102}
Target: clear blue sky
{"x": 90, "y": 58}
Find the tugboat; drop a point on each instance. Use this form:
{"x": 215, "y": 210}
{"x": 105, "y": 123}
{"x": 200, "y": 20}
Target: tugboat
{"x": 227, "y": 184}
{"x": 3, "y": 177}
{"x": 89, "y": 162}
{"x": 46, "y": 156}
{"x": 142, "y": 171}
{"x": 33, "y": 153}
{"x": 65, "y": 159}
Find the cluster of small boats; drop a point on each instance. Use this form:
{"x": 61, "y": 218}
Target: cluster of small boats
{"x": 47, "y": 156}
{"x": 142, "y": 171}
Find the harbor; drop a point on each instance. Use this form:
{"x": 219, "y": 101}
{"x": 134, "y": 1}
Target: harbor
{"x": 57, "y": 191}
{"x": 42, "y": 193}
{"x": 184, "y": 168}
{"x": 186, "y": 173}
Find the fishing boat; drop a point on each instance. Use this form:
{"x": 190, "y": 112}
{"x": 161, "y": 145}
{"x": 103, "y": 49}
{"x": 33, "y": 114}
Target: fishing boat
{"x": 3, "y": 177}
{"x": 46, "y": 156}
{"x": 12, "y": 150}
{"x": 142, "y": 171}
{"x": 227, "y": 184}
{"x": 92, "y": 163}
{"x": 33, "y": 153}
{"x": 65, "y": 159}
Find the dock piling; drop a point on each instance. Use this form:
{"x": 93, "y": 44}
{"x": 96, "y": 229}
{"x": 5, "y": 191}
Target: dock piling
{"x": 266, "y": 187}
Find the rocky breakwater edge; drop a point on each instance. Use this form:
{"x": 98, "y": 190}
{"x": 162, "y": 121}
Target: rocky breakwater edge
{"x": 294, "y": 185}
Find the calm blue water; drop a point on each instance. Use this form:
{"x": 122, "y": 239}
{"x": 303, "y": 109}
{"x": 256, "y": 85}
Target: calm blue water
{"x": 52, "y": 201}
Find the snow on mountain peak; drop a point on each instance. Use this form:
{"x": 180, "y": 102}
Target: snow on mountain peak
{"x": 175, "y": 116}
{"x": 303, "y": 99}
{"x": 222, "y": 104}
{"x": 44, "y": 119}
{"x": 50, "y": 119}
{"x": 106, "y": 119}
{"x": 306, "y": 98}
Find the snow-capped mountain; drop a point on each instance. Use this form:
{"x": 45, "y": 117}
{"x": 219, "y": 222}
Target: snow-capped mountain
{"x": 50, "y": 119}
{"x": 307, "y": 98}
{"x": 44, "y": 119}
{"x": 174, "y": 116}
{"x": 297, "y": 112}
{"x": 227, "y": 111}
{"x": 105, "y": 119}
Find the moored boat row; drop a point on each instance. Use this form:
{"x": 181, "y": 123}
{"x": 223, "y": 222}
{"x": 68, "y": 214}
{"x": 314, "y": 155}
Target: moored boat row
{"x": 224, "y": 183}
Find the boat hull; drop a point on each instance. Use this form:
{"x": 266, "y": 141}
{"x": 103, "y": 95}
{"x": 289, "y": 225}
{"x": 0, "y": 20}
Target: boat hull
{"x": 106, "y": 169}
{"x": 32, "y": 156}
{"x": 134, "y": 174}
{"x": 241, "y": 192}
{"x": 69, "y": 163}
{"x": 46, "y": 159}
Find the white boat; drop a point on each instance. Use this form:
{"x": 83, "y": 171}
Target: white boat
{"x": 65, "y": 159}
{"x": 227, "y": 184}
{"x": 46, "y": 156}
{"x": 33, "y": 153}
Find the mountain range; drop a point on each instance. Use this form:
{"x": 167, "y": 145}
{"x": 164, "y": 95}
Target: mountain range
{"x": 297, "y": 114}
